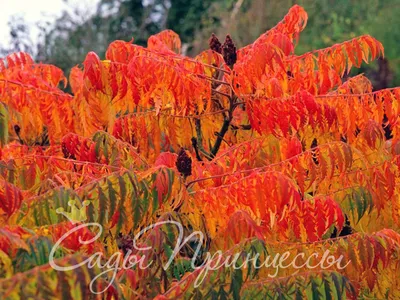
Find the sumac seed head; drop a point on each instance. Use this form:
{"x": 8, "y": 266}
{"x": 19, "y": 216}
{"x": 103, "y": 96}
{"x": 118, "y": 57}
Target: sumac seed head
{"x": 229, "y": 51}
{"x": 184, "y": 163}
{"x": 215, "y": 44}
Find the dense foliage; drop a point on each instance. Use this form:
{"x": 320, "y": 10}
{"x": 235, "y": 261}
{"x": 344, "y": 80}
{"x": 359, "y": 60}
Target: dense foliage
{"x": 263, "y": 151}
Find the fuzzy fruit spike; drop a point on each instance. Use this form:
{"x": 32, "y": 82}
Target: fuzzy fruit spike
{"x": 215, "y": 44}
{"x": 184, "y": 163}
{"x": 229, "y": 51}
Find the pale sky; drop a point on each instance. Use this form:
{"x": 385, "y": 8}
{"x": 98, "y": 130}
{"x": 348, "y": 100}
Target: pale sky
{"x": 34, "y": 11}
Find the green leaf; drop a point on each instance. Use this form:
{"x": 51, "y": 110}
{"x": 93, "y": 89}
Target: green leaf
{"x": 338, "y": 286}
{"x": 103, "y": 205}
{"x": 359, "y": 201}
{"x": 113, "y": 197}
{"x": 121, "y": 209}
{"x": 316, "y": 289}
{"x": 328, "y": 290}
{"x": 155, "y": 193}
{"x": 3, "y": 124}
{"x": 236, "y": 284}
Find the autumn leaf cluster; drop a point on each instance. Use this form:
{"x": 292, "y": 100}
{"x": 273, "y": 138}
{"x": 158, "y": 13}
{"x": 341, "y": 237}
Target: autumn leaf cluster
{"x": 262, "y": 150}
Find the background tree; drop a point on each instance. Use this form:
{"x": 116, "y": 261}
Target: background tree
{"x": 117, "y": 20}
{"x": 19, "y": 37}
{"x": 195, "y": 20}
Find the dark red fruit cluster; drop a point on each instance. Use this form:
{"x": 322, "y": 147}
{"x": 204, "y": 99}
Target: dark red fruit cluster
{"x": 184, "y": 163}
{"x": 124, "y": 242}
{"x": 17, "y": 129}
{"x": 215, "y": 44}
{"x": 229, "y": 51}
